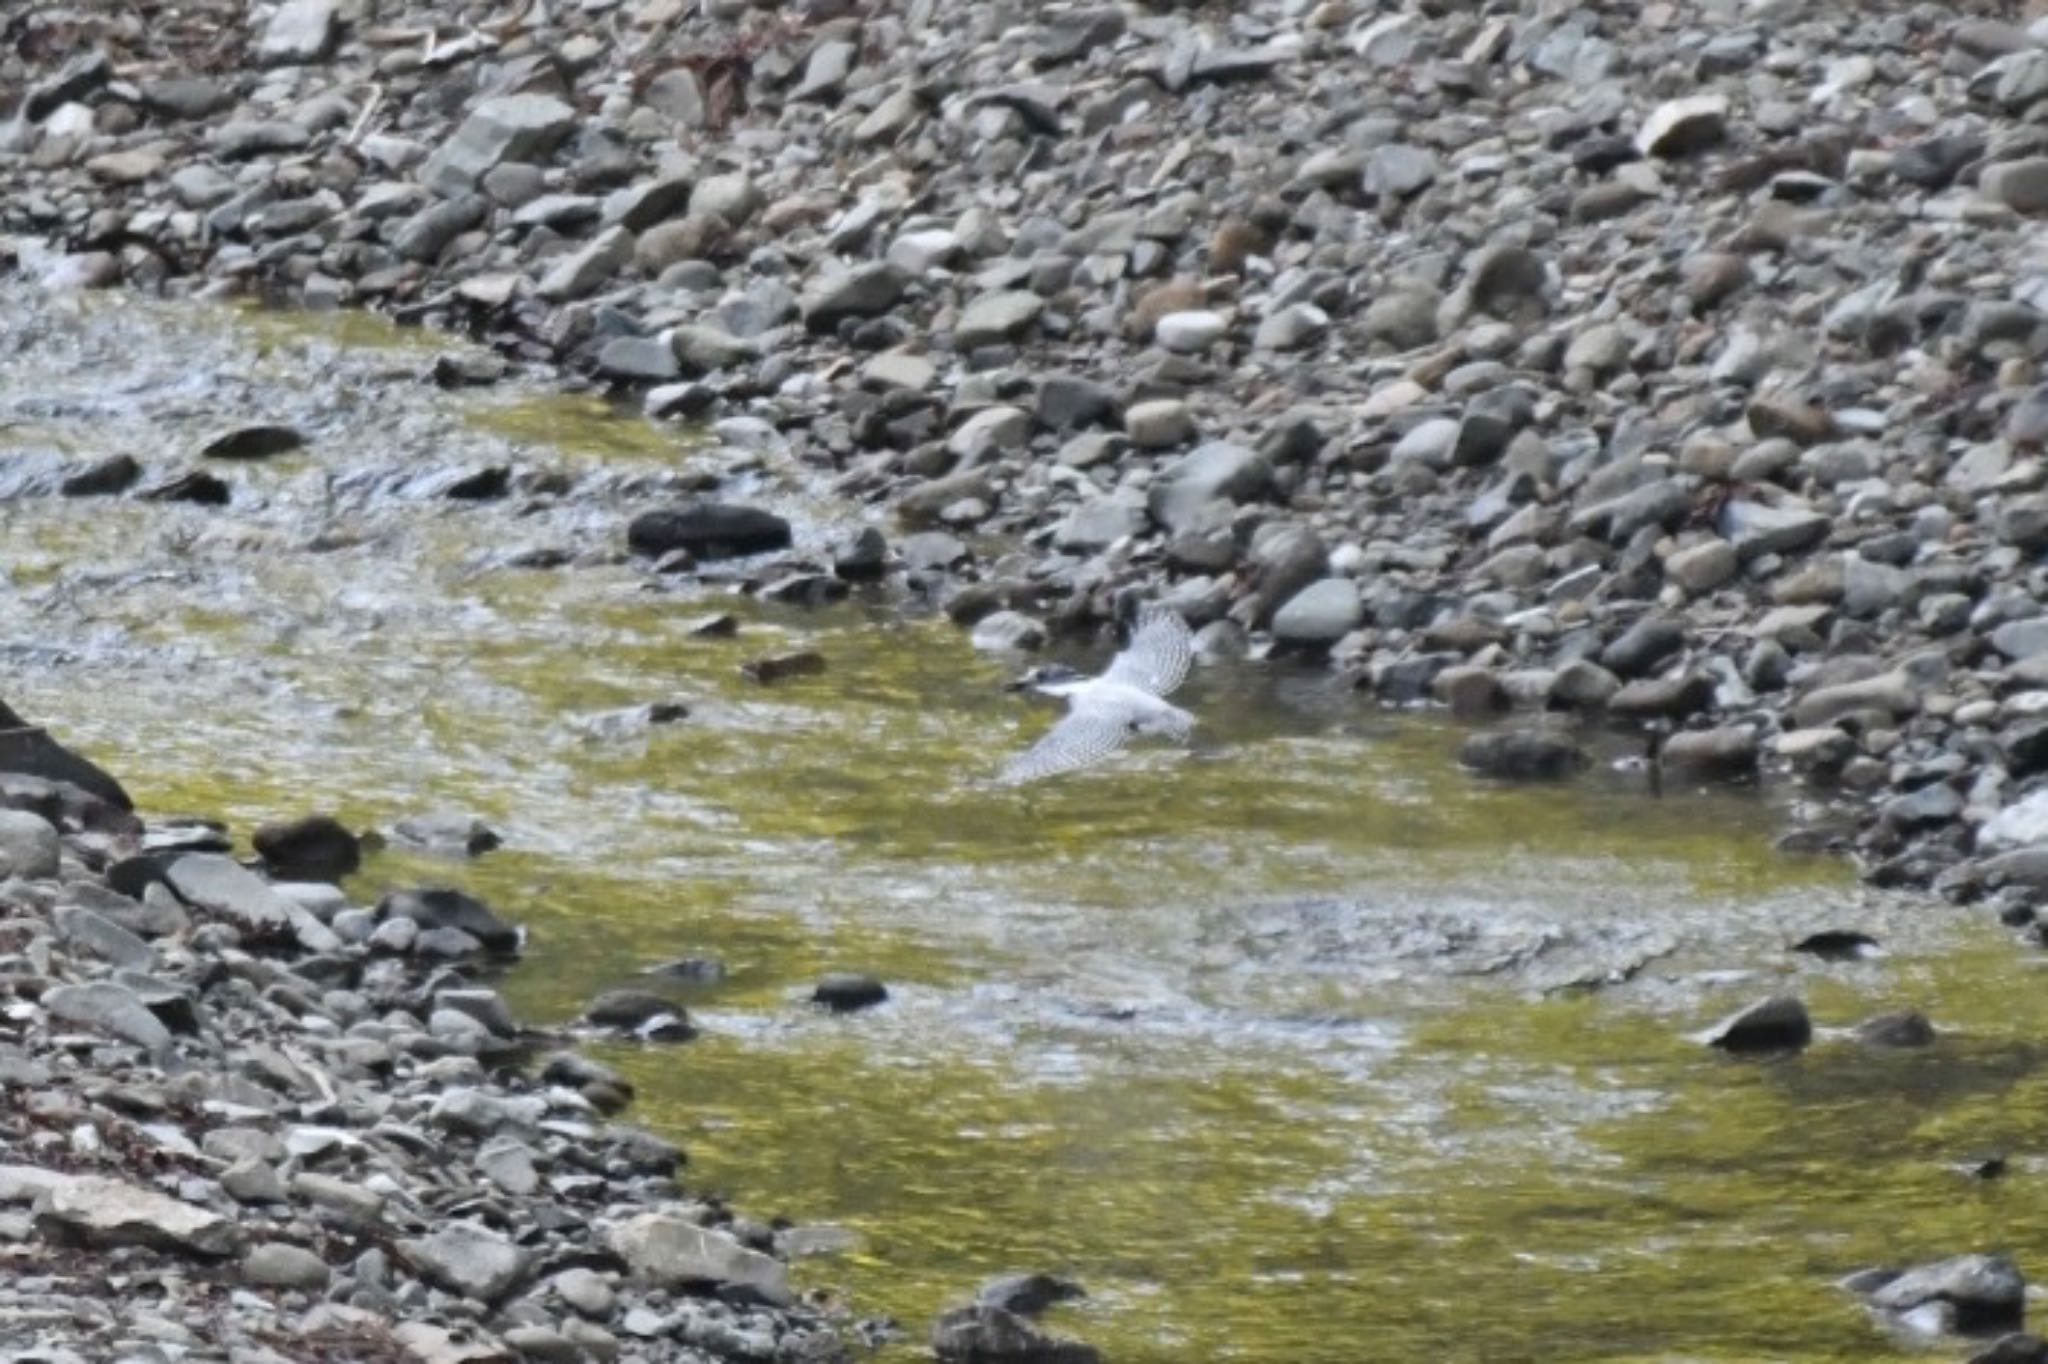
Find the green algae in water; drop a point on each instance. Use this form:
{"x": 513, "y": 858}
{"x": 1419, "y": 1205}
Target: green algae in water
{"x": 1126, "y": 1040}
{"x": 579, "y": 424}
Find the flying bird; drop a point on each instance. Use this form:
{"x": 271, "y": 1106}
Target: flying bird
{"x": 1104, "y": 712}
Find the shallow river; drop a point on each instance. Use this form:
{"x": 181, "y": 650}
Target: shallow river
{"x": 1300, "y": 1047}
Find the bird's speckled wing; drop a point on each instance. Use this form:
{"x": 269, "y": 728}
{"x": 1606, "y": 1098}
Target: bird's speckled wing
{"x": 1082, "y": 738}
{"x": 1159, "y": 654}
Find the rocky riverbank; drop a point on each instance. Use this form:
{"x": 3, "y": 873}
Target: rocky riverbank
{"x": 247, "y": 1119}
{"x": 1666, "y": 366}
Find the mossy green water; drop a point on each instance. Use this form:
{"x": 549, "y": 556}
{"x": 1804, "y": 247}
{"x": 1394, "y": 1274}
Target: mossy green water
{"x": 1303, "y": 1046}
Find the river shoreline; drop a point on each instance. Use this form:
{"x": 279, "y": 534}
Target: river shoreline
{"x": 1640, "y": 432}
{"x": 1607, "y": 373}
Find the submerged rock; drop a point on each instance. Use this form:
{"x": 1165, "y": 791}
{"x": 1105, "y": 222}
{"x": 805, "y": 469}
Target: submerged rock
{"x": 1904, "y": 1028}
{"x": 982, "y": 1333}
{"x": 847, "y": 992}
{"x": 1522, "y": 755}
{"x": 253, "y": 442}
{"x": 446, "y": 834}
{"x": 642, "y": 1014}
{"x": 777, "y": 667}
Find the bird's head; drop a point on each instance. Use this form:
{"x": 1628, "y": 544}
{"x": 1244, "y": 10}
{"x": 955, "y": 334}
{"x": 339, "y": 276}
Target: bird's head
{"x": 1050, "y": 678}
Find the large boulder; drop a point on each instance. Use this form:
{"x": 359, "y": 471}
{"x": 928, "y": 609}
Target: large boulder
{"x": 674, "y": 1252}
{"x": 30, "y": 750}
{"x": 100, "y": 1213}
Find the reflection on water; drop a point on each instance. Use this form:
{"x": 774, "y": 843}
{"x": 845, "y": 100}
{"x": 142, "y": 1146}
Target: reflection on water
{"x": 1300, "y": 1047}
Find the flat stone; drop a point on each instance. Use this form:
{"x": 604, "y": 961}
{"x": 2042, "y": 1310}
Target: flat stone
{"x": 469, "y": 1260}
{"x": 863, "y": 291}
{"x": 506, "y": 128}
{"x": 1098, "y": 524}
{"x": 101, "y": 1213}
{"x": 300, "y": 31}
{"x": 427, "y": 233}
{"x": 1892, "y": 693}
{"x": 221, "y": 886}
{"x": 995, "y": 318}
{"x": 103, "y": 937}
{"x": 673, "y": 1252}
{"x": 111, "y": 1009}
{"x": 584, "y": 272}
{"x": 1217, "y": 471}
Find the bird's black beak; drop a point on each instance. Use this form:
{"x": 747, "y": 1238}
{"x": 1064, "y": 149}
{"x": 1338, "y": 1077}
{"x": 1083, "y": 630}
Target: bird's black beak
{"x": 1017, "y": 684}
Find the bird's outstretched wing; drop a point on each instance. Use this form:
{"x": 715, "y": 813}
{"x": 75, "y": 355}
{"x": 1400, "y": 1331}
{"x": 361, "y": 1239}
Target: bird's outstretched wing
{"x": 1081, "y": 738}
{"x": 1159, "y": 654}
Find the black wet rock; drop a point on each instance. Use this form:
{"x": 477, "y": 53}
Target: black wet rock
{"x": 441, "y": 907}
{"x": 252, "y": 443}
{"x": 708, "y": 530}
{"x": 848, "y": 991}
{"x": 640, "y": 1013}
{"x": 28, "y": 749}
{"x": 1838, "y": 945}
{"x": 1779, "y": 1023}
{"x": 310, "y": 848}
{"x": 193, "y": 485}
{"x": 102, "y": 478}
{"x": 1522, "y": 755}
